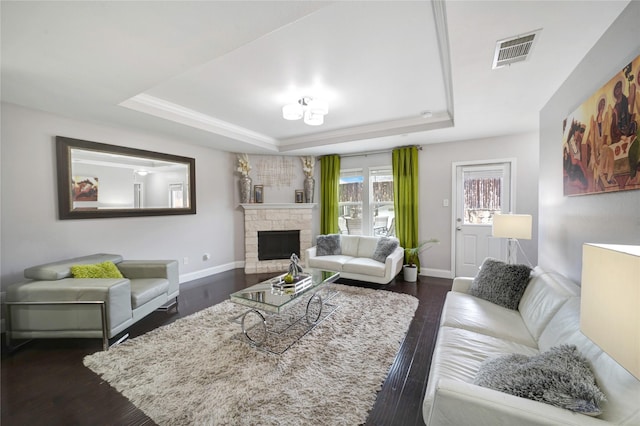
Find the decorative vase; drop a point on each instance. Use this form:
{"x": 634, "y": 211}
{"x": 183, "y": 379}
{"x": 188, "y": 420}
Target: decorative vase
{"x": 309, "y": 184}
{"x": 245, "y": 189}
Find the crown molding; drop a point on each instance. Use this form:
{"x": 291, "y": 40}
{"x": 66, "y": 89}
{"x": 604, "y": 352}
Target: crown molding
{"x": 170, "y": 111}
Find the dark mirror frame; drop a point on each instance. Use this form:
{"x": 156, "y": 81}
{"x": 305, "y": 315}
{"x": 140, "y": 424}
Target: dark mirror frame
{"x": 63, "y": 155}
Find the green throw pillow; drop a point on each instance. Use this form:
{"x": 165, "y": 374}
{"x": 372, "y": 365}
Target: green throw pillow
{"x": 98, "y": 270}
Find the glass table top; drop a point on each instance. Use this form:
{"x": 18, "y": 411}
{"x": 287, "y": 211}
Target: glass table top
{"x": 267, "y": 296}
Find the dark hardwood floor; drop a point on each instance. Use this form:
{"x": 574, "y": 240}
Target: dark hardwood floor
{"x": 45, "y": 383}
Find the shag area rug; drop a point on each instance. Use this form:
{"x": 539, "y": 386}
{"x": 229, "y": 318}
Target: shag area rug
{"x": 196, "y": 371}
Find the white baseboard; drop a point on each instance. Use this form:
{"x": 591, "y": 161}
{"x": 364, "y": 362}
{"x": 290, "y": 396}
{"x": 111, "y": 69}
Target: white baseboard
{"x": 438, "y": 273}
{"x": 210, "y": 271}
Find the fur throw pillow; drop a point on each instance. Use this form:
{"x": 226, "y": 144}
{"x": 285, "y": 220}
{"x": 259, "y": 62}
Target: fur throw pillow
{"x": 560, "y": 377}
{"x": 327, "y": 245}
{"x": 501, "y": 283}
{"x": 384, "y": 248}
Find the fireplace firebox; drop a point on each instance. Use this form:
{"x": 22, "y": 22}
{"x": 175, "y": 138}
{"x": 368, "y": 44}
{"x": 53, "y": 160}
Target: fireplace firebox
{"x": 278, "y": 244}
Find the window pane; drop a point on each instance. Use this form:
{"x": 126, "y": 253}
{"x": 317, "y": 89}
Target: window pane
{"x": 383, "y": 219}
{"x": 482, "y": 197}
{"x": 381, "y": 212}
{"x": 366, "y": 202}
{"x": 350, "y": 202}
{"x": 350, "y": 189}
{"x": 382, "y": 181}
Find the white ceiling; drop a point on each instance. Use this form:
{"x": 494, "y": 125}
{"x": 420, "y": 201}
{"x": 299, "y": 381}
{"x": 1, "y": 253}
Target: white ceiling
{"x": 217, "y": 73}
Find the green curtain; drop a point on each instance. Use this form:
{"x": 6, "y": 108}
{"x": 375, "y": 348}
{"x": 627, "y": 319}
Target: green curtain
{"x": 405, "y": 195}
{"x": 329, "y": 185}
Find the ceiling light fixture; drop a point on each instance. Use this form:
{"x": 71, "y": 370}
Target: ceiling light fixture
{"x": 310, "y": 109}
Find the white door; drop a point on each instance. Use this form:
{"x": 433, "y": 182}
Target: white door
{"x": 176, "y": 194}
{"x": 137, "y": 195}
{"x": 481, "y": 190}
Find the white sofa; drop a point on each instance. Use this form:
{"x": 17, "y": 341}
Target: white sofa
{"x": 356, "y": 261}
{"x": 472, "y": 330}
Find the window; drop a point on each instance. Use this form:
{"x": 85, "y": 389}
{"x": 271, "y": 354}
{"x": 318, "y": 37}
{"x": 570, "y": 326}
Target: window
{"x": 482, "y": 196}
{"x": 381, "y": 212}
{"x": 366, "y": 202}
{"x": 350, "y": 202}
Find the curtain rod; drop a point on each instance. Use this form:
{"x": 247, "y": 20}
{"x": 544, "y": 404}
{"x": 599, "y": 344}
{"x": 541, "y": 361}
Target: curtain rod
{"x": 382, "y": 151}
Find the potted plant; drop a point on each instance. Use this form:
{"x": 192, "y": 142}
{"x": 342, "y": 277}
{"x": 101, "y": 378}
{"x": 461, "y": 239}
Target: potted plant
{"x": 412, "y": 268}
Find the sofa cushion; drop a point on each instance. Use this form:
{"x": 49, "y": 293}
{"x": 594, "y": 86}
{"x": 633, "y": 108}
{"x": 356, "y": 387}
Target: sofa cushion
{"x": 367, "y": 246}
{"x": 560, "y": 377}
{"x": 96, "y": 270}
{"x": 329, "y": 263}
{"x": 327, "y": 245}
{"x": 501, "y": 283}
{"x": 349, "y": 244}
{"x": 145, "y": 289}
{"x": 384, "y": 248}
{"x": 620, "y": 387}
{"x": 458, "y": 354}
{"x": 462, "y": 310}
{"x": 542, "y": 298}
{"x": 364, "y": 266}
{"x": 62, "y": 269}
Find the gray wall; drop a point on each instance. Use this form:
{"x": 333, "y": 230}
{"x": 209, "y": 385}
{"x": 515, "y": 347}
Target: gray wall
{"x": 435, "y": 169}
{"x": 565, "y": 223}
{"x": 32, "y": 233}
{"x": 436, "y": 184}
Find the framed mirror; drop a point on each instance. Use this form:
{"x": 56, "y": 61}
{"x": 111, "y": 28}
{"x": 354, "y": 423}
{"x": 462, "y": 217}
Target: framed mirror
{"x": 98, "y": 180}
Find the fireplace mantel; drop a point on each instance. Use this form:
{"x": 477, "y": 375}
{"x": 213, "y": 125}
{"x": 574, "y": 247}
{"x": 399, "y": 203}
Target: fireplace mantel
{"x": 269, "y": 206}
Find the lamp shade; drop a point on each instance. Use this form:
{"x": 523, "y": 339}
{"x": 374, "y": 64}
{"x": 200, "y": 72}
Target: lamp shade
{"x": 318, "y": 106}
{"x": 313, "y": 119}
{"x": 610, "y": 301}
{"x": 512, "y": 226}
{"x": 292, "y": 112}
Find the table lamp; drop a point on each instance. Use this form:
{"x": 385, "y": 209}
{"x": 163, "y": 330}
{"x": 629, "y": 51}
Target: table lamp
{"x": 610, "y": 301}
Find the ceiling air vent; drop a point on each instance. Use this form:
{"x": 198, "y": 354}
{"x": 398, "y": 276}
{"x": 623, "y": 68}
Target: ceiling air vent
{"x": 514, "y": 49}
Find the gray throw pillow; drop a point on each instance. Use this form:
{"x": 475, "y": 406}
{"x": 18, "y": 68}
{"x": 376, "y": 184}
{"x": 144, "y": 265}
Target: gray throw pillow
{"x": 384, "y": 248}
{"x": 560, "y": 377}
{"x": 501, "y": 283}
{"x": 327, "y": 245}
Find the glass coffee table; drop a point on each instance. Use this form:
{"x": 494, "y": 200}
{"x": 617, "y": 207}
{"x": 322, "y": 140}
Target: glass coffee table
{"x": 281, "y": 313}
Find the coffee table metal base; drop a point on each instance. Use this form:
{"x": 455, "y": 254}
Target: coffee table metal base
{"x": 276, "y": 333}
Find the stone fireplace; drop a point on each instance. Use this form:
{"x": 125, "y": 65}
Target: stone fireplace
{"x": 274, "y": 217}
